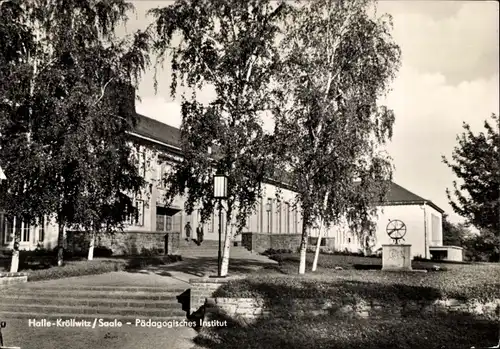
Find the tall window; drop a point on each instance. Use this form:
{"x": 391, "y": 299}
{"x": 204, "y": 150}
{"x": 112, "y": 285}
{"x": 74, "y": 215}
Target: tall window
{"x": 2, "y": 228}
{"x": 139, "y": 216}
{"x": 287, "y": 218}
{"x": 9, "y": 230}
{"x": 26, "y": 231}
{"x": 41, "y": 230}
{"x": 295, "y": 221}
{"x": 168, "y": 223}
{"x": 160, "y": 222}
{"x": 278, "y": 208}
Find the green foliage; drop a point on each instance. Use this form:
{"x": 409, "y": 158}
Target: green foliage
{"x": 336, "y": 62}
{"x": 78, "y": 268}
{"x": 228, "y": 46}
{"x": 343, "y": 331}
{"x": 64, "y": 147}
{"x": 475, "y": 164}
{"x": 460, "y": 281}
{"x": 483, "y": 247}
{"x": 454, "y": 234}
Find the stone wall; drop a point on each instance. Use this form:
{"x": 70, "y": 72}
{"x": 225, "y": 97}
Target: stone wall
{"x": 257, "y": 242}
{"x": 9, "y": 279}
{"x": 203, "y": 288}
{"x": 126, "y": 243}
{"x": 247, "y": 310}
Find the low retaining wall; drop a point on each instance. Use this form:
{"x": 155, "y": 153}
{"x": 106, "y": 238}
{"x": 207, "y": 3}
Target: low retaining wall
{"x": 126, "y": 243}
{"x": 9, "y": 279}
{"x": 204, "y": 288}
{"x": 260, "y": 242}
{"x": 247, "y": 310}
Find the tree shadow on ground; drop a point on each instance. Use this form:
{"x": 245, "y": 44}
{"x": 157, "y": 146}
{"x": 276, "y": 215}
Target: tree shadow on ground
{"x": 204, "y": 266}
{"x": 431, "y": 332}
{"x": 412, "y": 329}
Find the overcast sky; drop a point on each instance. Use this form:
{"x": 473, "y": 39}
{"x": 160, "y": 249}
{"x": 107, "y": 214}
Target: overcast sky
{"x": 449, "y": 75}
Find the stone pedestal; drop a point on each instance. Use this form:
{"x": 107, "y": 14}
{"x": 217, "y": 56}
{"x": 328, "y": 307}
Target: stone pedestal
{"x": 396, "y": 257}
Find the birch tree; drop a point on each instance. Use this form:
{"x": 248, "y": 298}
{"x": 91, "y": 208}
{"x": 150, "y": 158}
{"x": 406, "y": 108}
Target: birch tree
{"x": 337, "y": 60}
{"x": 229, "y": 46}
{"x": 64, "y": 116}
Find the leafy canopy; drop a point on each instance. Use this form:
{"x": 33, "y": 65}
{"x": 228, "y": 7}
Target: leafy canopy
{"x": 337, "y": 61}
{"x": 228, "y": 46}
{"x": 475, "y": 163}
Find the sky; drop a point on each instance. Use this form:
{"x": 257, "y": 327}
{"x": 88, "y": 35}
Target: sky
{"x": 449, "y": 75}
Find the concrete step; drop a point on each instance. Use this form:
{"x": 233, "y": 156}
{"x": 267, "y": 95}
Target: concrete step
{"x": 89, "y": 302}
{"x": 77, "y": 310}
{"x": 88, "y": 317}
{"x": 84, "y": 288}
{"x": 87, "y": 294}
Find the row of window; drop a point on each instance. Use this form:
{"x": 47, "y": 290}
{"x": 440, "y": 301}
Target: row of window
{"x": 286, "y": 218}
{"x": 15, "y": 225}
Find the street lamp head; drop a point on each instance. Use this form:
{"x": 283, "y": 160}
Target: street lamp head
{"x": 220, "y": 186}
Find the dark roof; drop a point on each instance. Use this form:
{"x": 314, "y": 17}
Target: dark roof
{"x": 158, "y": 131}
{"x": 398, "y": 195}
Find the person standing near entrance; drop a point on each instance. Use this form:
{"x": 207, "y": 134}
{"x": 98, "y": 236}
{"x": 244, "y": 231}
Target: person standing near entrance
{"x": 199, "y": 234}
{"x": 187, "y": 229}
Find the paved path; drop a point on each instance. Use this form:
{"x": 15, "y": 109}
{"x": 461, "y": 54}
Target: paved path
{"x": 19, "y": 333}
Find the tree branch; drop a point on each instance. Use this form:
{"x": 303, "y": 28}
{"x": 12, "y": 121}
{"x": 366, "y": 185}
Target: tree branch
{"x": 103, "y": 91}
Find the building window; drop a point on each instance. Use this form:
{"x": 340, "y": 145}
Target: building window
{"x": 287, "y": 218}
{"x": 160, "y": 222}
{"x": 8, "y": 230}
{"x": 2, "y": 228}
{"x": 142, "y": 162}
{"x": 139, "y": 214}
{"x": 348, "y": 240}
{"x": 279, "y": 210}
{"x": 168, "y": 223}
{"x": 295, "y": 221}
{"x": 41, "y": 230}
{"x": 137, "y": 217}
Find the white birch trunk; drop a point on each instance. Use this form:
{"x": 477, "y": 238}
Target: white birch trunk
{"x": 320, "y": 235}
{"x": 14, "y": 264}
{"x": 303, "y": 249}
{"x": 91, "y": 246}
{"x": 226, "y": 253}
{"x": 318, "y": 246}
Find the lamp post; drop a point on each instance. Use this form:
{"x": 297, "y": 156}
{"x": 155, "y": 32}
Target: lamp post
{"x": 220, "y": 193}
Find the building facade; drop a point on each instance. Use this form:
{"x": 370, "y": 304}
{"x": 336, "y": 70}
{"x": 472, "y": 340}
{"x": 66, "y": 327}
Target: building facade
{"x": 275, "y": 223}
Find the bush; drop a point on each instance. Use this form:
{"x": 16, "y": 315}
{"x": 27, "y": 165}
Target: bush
{"x": 76, "y": 268}
{"x": 271, "y": 251}
{"x": 149, "y": 252}
{"x": 140, "y": 262}
{"x": 102, "y": 252}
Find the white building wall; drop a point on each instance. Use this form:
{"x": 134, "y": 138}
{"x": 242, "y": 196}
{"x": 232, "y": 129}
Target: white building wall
{"x": 419, "y": 229}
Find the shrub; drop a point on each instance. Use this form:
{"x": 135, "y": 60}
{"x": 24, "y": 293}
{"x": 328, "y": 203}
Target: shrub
{"x": 271, "y": 251}
{"x": 140, "y": 262}
{"x": 102, "y": 252}
{"x": 76, "y": 268}
{"x": 149, "y": 252}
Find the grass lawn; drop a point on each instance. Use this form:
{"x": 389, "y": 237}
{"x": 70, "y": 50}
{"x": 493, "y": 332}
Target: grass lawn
{"x": 81, "y": 266}
{"x": 328, "y": 332}
{"x": 19, "y": 333}
{"x": 277, "y": 284}
{"x": 462, "y": 281}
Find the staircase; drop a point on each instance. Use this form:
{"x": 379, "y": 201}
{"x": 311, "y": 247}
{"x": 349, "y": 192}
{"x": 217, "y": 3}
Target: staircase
{"x": 210, "y": 248}
{"x": 89, "y": 302}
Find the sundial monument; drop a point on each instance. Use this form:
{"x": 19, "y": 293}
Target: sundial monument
{"x": 396, "y": 256}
